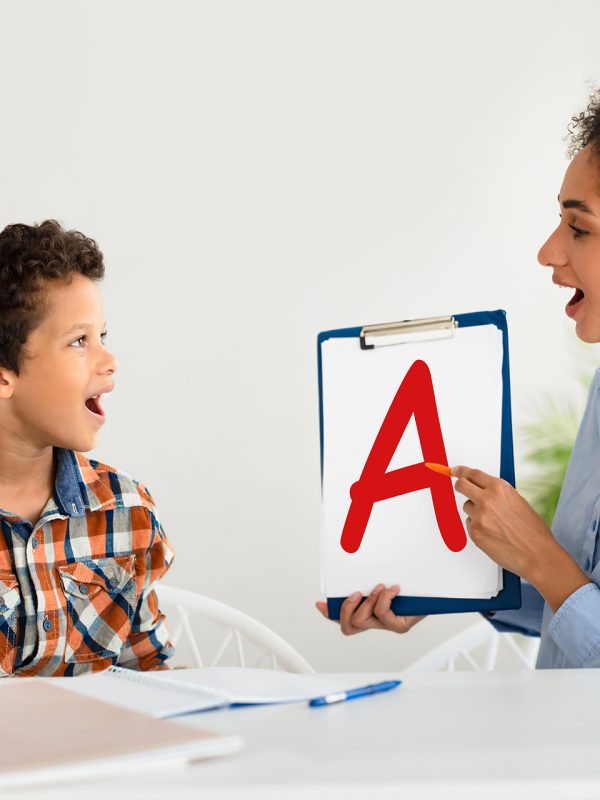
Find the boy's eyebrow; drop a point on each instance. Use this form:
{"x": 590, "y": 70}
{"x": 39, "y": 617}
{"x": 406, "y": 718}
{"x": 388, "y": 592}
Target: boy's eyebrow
{"x": 578, "y": 204}
{"x": 79, "y": 326}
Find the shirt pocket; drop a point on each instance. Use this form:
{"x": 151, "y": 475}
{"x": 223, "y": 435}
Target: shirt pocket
{"x": 10, "y": 599}
{"x": 101, "y": 599}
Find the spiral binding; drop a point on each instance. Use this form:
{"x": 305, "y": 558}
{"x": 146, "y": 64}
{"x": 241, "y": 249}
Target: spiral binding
{"x": 165, "y": 683}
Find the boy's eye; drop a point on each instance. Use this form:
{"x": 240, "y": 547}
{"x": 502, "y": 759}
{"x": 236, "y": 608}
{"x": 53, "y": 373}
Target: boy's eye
{"x": 84, "y": 337}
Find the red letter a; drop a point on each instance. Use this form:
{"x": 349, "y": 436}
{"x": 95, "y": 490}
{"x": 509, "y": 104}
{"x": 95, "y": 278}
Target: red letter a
{"x": 415, "y": 396}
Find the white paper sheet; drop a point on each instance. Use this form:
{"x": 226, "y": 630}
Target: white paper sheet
{"x": 180, "y": 691}
{"x": 402, "y": 543}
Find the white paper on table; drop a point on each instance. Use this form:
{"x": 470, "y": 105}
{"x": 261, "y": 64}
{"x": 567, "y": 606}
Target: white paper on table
{"x": 167, "y": 693}
{"x": 402, "y": 543}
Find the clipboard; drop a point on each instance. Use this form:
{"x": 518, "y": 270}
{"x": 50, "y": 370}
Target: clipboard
{"x": 428, "y": 330}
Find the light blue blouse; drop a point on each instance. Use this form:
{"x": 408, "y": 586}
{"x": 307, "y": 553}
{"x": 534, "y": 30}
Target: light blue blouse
{"x": 571, "y": 637}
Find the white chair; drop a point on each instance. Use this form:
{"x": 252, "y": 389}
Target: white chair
{"x": 228, "y": 634}
{"x": 479, "y": 647}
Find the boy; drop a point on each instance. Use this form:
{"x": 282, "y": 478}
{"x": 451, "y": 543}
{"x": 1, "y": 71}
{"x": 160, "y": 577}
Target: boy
{"x": 80, "y": 543}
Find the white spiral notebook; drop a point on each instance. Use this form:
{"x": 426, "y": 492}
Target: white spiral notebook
{"x": 169, "y": 693}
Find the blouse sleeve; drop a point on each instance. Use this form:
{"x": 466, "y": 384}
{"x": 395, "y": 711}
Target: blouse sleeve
{"x": 576, "y": 627}
{"x": 526, "y": 620}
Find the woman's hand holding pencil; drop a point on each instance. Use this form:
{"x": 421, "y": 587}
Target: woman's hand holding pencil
{"x": 503, "y": 524}
{"x": 499, "y": 520}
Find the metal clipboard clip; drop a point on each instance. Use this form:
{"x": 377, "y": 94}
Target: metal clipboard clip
{"x": 408, "y": 330}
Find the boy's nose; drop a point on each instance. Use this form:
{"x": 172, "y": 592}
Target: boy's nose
{"x": 109, "y": 366}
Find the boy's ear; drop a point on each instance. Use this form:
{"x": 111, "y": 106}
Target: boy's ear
{"x": 7, "y": 383}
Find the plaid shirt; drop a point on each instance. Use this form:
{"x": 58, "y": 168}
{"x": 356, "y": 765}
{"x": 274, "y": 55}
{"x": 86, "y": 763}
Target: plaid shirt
{"x": 76, "y": 588}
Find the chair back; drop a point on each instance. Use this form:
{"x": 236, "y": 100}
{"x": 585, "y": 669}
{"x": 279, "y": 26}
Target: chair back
{"x": 206, "y": 632}
{"x": 479, "y": 647}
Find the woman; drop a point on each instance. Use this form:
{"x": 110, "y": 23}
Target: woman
{"x": 559, "y": 567}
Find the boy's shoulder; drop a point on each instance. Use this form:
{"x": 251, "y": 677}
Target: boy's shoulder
{"x": 127, "y": 491}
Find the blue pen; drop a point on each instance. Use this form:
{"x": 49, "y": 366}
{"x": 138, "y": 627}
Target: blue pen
{"x": 352, "y": 694}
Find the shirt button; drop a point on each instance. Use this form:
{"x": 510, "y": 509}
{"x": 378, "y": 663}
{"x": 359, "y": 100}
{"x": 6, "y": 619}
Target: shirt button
{"x": 586, "y": 564}
{"x": 83, "y": 588}
{"x": 47, "y": 624}
{"x": 34, "y": 542}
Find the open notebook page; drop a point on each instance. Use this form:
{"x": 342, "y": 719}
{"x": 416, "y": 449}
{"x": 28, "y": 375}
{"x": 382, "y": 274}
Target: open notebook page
{"x": 145, "y": 692}
{"x": 179, "y": 691}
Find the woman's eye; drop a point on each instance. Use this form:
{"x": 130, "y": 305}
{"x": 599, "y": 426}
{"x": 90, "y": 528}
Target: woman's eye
{"x": 578, "y": 232}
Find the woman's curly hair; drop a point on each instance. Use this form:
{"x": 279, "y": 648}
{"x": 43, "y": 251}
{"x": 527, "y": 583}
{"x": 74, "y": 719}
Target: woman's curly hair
{"x": 584, "y": 128}
{"x": 31, "y": 256}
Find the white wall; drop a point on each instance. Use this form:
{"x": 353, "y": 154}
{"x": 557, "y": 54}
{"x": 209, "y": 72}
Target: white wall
{"x": 258, "y": 171}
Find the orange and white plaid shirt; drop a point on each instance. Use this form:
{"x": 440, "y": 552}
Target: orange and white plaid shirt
{"x": 76, "y": 588}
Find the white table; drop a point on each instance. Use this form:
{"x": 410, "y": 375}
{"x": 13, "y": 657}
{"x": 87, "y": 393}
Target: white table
{"x": 483, "y": 735}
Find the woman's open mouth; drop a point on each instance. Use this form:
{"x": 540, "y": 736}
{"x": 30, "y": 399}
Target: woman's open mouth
{"x": 574, "y": 303}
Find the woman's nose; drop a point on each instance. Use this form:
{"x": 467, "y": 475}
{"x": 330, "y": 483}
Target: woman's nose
{"x": 550, "y": 253}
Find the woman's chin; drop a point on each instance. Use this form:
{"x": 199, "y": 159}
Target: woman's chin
{"x": 588, "y": 332}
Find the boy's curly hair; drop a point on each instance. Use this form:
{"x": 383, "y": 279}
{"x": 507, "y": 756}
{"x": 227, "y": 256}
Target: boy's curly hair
{"x": 584, "y": 128}
{"x": 31, "y": 256}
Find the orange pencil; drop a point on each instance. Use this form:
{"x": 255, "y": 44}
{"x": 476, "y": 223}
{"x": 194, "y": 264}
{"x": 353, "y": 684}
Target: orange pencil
{"x": 441, "y": 468}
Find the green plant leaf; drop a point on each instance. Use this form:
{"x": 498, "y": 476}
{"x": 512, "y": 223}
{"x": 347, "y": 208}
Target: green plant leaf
{"x": 549, "y": 442}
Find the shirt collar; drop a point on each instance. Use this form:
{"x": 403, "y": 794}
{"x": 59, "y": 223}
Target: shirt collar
{"x": 78, "y": 487}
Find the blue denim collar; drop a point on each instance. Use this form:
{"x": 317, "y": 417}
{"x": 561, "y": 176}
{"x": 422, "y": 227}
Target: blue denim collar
{"x": 70, "y": 492}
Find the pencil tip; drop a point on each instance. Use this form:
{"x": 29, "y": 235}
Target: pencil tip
{"x": 441, "y": 468}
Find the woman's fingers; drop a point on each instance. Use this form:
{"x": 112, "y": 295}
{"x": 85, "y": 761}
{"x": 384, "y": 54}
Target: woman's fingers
{"x": 384, "y": 600}
{"x": 321, "y": 606}
{"x": 386, "y": 616}
{"x": 384, "y": 613}
{"x": 474, "y": 476}
{"x": 364, "y": 613}
{"x": 469, "y": 489}
{"x": 469, "y": 508}
{"x": 348, "y": 608}
{"x": 357, "y": 614}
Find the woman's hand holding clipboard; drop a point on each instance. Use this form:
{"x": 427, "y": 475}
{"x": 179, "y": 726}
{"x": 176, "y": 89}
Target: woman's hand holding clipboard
{"x": 374, "y": 611}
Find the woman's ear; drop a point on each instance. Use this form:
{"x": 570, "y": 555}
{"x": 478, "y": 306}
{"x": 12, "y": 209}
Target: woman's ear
{"x": 7, "y": 383}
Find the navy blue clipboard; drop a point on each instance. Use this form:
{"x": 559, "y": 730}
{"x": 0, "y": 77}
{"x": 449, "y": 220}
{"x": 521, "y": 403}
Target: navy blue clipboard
{"x": 510, "y": 595}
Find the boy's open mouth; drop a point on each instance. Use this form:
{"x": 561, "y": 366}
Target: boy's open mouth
{"x": 93, "y": 406}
